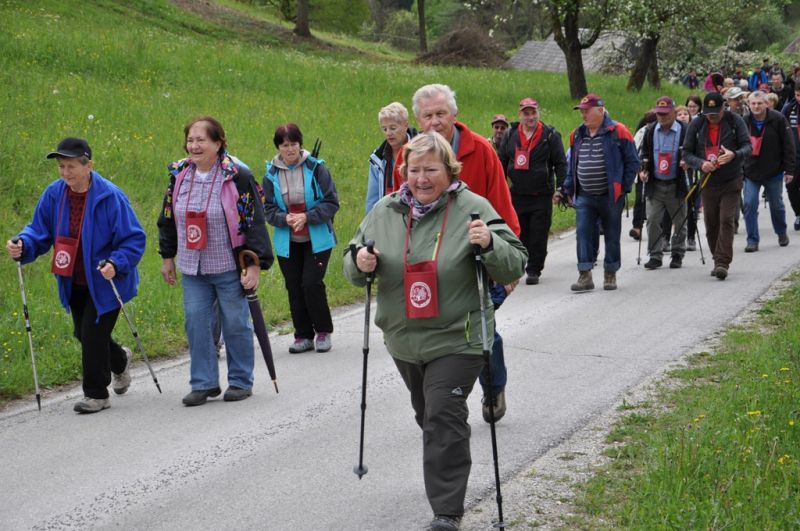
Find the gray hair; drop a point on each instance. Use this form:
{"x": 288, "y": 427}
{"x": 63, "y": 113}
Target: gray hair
{"x": 395, "y": 112}
{"x": 431, "y": 91}
{"x": 759, "y": 94}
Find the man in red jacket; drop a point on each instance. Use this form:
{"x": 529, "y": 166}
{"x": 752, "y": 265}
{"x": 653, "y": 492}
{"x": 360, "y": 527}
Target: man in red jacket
{"x": 436, "y": 110}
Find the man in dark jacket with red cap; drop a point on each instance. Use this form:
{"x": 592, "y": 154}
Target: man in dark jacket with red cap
{"x": 533, "y": 158}
{"x": 717, "y": 144}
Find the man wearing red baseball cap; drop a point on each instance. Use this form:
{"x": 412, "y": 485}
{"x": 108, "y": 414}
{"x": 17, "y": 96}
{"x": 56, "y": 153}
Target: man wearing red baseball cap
{"x": 499, "y": 127}
{"x": 602, "y": 166}
{"x": 533, "y": 158}
{"x": 665, "y": 183}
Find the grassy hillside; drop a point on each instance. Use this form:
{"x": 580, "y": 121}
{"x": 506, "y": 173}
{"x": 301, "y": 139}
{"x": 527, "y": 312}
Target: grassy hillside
{"x": 128, "y": 75}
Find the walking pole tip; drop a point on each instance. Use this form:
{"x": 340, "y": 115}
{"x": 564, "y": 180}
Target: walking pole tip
{"x": 360, "y": 470}
{"x": 275, "y": 383}
{"x": 39, "y": 401}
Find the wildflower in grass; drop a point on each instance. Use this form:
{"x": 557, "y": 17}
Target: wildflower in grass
{"x": 791, "y": 423}
{"x": 755, "y": 413}
{"x": 785, "y": 369}
{"x": 782, "y": 459}
{"x": 765, "y": 375}
{"x": 90, "y": 117}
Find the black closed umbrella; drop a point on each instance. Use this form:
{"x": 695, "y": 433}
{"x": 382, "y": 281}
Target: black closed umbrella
{"x": 259, "y": 326}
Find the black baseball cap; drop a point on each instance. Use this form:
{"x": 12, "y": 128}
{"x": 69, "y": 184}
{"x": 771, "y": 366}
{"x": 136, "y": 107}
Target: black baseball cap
{"x": 71, "y": 148}
{"x": 712, "y": 103}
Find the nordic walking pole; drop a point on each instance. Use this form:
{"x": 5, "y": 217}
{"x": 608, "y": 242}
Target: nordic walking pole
{"x": 28, "y": 326}
{"x": 697, "y": 231}
{"x": 360, "y": 469}
{"x": 131, "y": 326}
{"x": 641, "y": 235}
{"x": 485, "y": 340}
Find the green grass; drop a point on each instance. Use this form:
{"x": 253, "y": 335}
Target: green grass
{"x": 128, "y": 75}
{"x": 726, "y": 453}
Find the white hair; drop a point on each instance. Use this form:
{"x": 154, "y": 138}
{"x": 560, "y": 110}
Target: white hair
{"x": 395, "y": 112}
{"x": 431, "y": 91}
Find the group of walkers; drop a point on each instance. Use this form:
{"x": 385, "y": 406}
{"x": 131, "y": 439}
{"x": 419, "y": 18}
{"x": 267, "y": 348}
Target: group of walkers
{"x": 445, "y": 208}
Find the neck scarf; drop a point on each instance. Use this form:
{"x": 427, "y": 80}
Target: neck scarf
{"x": 418, "y": 209}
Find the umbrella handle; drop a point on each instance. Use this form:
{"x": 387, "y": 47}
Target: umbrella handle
{"x": 244, "y": 254}
{"x": 15, "y": 240}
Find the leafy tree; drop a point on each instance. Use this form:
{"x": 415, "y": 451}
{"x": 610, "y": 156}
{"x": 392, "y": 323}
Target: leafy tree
{"x": 565, "y": 17}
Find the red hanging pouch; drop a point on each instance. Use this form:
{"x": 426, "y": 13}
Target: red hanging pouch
{"x": 419, "y": 280}
{"x": 65, "y": 249}
{"x": 299, "y": 208}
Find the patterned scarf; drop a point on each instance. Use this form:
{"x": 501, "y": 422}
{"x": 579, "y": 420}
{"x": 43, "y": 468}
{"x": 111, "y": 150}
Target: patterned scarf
{"x": 418, "y": 209}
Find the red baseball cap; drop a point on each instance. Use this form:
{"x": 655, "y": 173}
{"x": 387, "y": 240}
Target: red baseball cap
{"x": 499, "y": 118}
{"x": 664, "y": 105}
{"x": 589, "y": 101}
{"x": 528, "y": 102}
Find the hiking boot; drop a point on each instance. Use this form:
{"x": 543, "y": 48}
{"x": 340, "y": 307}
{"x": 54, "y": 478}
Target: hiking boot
{"x": 584, "y": 282}
{"x": 751, "y": 248}
{"x": 635, "y": 233}
{"x": 532, "y": 280}
{"x": 301, "y": 344}
{"x": 234, "y": 394}
{"x": 443, "y": 522}
{"x": 783, "y": 240}
{"x": 91, "y": 405}
{"x": 797, "y": 223}
{"x": 499, "y": 406}
{"x": 720, "y": 272}
{"x": 676, "y": 262}
{"x": 122, "y": 381}
{"x": 198, "y": 398}
{"x": 609, "y": 281}
{"x": 653, "y": 263}
{"x": 691, "y": 245}
{"x": 323, "y": 342}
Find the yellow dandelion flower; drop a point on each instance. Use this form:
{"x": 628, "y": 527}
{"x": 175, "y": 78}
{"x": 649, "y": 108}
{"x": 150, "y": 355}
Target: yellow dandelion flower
{"x": 791, "y": 423}
{"x": 782, "y": 459}
{"x": 755, "y": 413}
{"x": 765, "y": 375}
{"x": 785, "y": 369}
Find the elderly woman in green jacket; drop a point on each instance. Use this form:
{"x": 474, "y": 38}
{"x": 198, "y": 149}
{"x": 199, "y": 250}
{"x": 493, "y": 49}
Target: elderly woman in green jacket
{"x": 423, "y": 256}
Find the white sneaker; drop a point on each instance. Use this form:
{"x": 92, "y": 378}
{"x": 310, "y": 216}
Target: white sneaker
{"x": 91, "y": 405}
{"x": 121, "y": 382}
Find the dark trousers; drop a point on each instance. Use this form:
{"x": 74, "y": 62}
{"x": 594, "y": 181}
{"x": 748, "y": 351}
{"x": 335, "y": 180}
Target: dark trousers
{"x": 439, "y": 391}
{"x": 639, "y": 209}
{"x": 303, "y": 274}
{"x": 99, "y": 352}
{"x": 720, "y": 204}
{"x": 793, "y": 189}
{"x": 535, "y": 218}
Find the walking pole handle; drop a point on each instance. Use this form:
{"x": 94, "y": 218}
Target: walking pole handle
{"x": 15, "y": 240}
{"x": 475, "y": 247}
{"x": 371, "y": 250}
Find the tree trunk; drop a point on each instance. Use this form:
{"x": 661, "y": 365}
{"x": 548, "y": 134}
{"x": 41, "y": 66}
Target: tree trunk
{"x": 423, "y": 38}
{"x": 653, "y": 76}
{"x": 643, "y": 64}
{"x": 301, "y": 27}
{"x": 567, "y": 37}
{"x": 575, "y": 72}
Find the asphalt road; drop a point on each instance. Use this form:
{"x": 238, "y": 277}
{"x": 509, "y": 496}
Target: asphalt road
{"x": 285, "y": 461}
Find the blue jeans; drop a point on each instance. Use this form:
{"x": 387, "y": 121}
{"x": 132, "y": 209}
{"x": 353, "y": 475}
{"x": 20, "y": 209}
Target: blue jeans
{"x": 588, "y": 209}
{"x": 199, "y": 294}
{"x": 777, "y": 211}
{"x": 497, "y": 365}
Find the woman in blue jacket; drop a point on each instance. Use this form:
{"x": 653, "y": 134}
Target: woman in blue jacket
{"x": 300, "y": 201}
{"x": 87, "y": 219}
